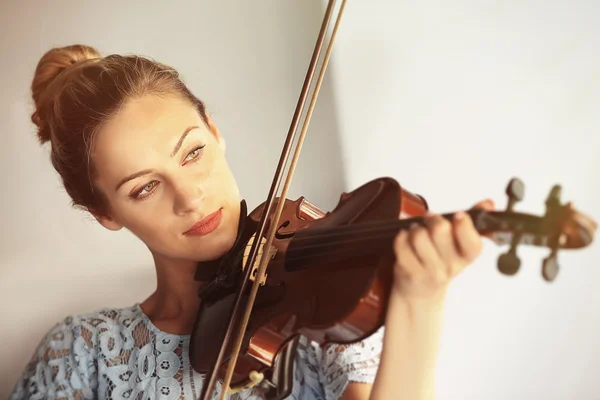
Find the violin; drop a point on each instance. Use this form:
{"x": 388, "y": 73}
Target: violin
{"x": 296, "y": 269}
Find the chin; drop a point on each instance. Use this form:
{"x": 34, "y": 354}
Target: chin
{"x": 215, "y": 245}
{"x": 218, "y": 248}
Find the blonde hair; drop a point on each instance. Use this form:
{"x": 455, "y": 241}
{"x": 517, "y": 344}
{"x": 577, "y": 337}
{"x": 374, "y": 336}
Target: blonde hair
{"x": 75, "y": 91}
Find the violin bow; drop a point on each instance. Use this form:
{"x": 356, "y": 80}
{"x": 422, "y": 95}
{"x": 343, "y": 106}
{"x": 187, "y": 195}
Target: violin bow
{"x": 241, "y": 320}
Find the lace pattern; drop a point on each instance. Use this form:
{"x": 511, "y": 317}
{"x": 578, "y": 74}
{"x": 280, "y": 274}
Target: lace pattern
{"x": 119, "y": 354}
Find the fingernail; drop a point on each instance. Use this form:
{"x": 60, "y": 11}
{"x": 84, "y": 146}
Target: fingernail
{"x": 460, "y": 215}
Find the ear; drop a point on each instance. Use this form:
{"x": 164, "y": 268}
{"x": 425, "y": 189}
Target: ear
{"x": 106, "y": 221}
{"x": 213, "y": 128}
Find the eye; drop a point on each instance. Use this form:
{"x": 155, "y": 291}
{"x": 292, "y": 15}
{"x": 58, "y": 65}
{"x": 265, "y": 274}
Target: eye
{"x": 145, "y": 191}
{"x": 194, "y": 154}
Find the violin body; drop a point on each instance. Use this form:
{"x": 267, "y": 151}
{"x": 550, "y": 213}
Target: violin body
{"x": 336, "y": 295}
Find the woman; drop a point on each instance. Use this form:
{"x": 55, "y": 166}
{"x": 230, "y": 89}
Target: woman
{"x": 136, "y": 149}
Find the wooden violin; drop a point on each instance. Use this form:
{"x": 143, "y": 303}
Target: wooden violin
{"x": 297, "y": 270}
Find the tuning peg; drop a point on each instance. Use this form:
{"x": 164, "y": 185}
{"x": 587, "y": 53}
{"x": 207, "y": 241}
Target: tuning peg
{"x": 515, "y": 190}
{"x": 550, "y": 266}
{"x": 509, "y": 262}
{"x": 553, "y": 199}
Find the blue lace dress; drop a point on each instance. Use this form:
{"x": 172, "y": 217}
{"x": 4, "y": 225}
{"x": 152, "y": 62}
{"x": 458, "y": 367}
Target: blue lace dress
{"x": 119, "y": 354}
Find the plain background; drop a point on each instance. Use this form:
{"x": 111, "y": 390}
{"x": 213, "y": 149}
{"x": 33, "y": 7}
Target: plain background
{"x": 450, "y": 98}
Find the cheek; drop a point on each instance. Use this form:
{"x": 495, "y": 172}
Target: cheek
{"x": 222, "y": 183}
{"x": 146, "y": 220}
{"x": 228, "y": 189}
{"x": 147, "y": 227}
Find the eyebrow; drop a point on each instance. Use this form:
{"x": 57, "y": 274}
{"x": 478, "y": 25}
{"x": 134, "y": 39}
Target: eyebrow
{"x": 181, "y": 139}
{"x": 147, "y": 171}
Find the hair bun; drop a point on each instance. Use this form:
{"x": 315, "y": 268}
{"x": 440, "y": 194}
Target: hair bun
{"x": 50, "y": 66}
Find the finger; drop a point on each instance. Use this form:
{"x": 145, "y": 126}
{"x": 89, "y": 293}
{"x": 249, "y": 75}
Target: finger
{"x": 440, "y": 231}
{"x": 425, "y": 250}
{"x": 467, "y": 238}
{"x": 487, "y": 204}
{"x": 408, "y": 264}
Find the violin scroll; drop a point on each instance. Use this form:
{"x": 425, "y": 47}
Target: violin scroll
{"x": 561, "y": 227}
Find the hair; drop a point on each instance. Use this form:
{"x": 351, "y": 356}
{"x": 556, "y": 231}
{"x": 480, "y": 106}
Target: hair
{"x": 76, "y": 91}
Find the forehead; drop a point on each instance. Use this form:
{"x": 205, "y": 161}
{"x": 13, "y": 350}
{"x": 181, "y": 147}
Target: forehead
{"x": 142, "y": 131}
{"x": 149, "y": 118}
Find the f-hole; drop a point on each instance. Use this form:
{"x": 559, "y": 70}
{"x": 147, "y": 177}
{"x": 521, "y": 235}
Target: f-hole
{"x": 282, "y": 236}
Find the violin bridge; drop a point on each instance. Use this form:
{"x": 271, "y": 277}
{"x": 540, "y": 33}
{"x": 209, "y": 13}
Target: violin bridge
{"x": 261, "y": 249}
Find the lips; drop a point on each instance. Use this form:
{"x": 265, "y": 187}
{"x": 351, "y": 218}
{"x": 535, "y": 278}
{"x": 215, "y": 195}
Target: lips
{"x": 206, "y": 225}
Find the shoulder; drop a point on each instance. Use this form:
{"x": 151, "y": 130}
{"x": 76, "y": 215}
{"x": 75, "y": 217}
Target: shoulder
{"x": 335, "y": 365}
{"x": 64, "y": 362}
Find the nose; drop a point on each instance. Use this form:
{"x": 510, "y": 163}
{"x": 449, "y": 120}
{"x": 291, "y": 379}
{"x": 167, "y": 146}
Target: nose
{"x": 188, "y": 197}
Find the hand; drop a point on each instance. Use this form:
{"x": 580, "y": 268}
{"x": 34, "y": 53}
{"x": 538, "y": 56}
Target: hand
{"x": 427, "y": 258}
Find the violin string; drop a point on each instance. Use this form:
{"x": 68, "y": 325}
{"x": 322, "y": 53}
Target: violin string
{"x": 330, "y": 241}
{"x": 341, "y": 233}
{"x": 329, "y": 247}
{"x": 344, "y": 232}
{"x": 331, "y": 250}
{"x": 337, "y": 243}
{"x": 360, "y": 228}
{"x": 299, "y": 254}
{"x": 282, "y": 262}
{"x": 334, "y": 238}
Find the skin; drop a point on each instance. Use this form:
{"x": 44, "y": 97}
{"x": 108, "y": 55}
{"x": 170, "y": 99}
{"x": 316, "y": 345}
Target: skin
{"x": 158, "y": 207}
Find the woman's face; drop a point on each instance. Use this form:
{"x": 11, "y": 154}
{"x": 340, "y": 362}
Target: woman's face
{"x": 164, "y": 174}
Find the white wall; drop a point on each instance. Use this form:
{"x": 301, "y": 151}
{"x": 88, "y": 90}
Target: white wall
{"x": 247, "y": 61}
{"x": 453, "y": 99}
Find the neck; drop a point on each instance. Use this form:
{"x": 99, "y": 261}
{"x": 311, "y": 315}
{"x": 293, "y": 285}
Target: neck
{"x": 174, "y": 304}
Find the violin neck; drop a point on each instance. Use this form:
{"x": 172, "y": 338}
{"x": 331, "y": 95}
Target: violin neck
{"x": 482, "y": 224}
{"x": 323, "y": 245}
